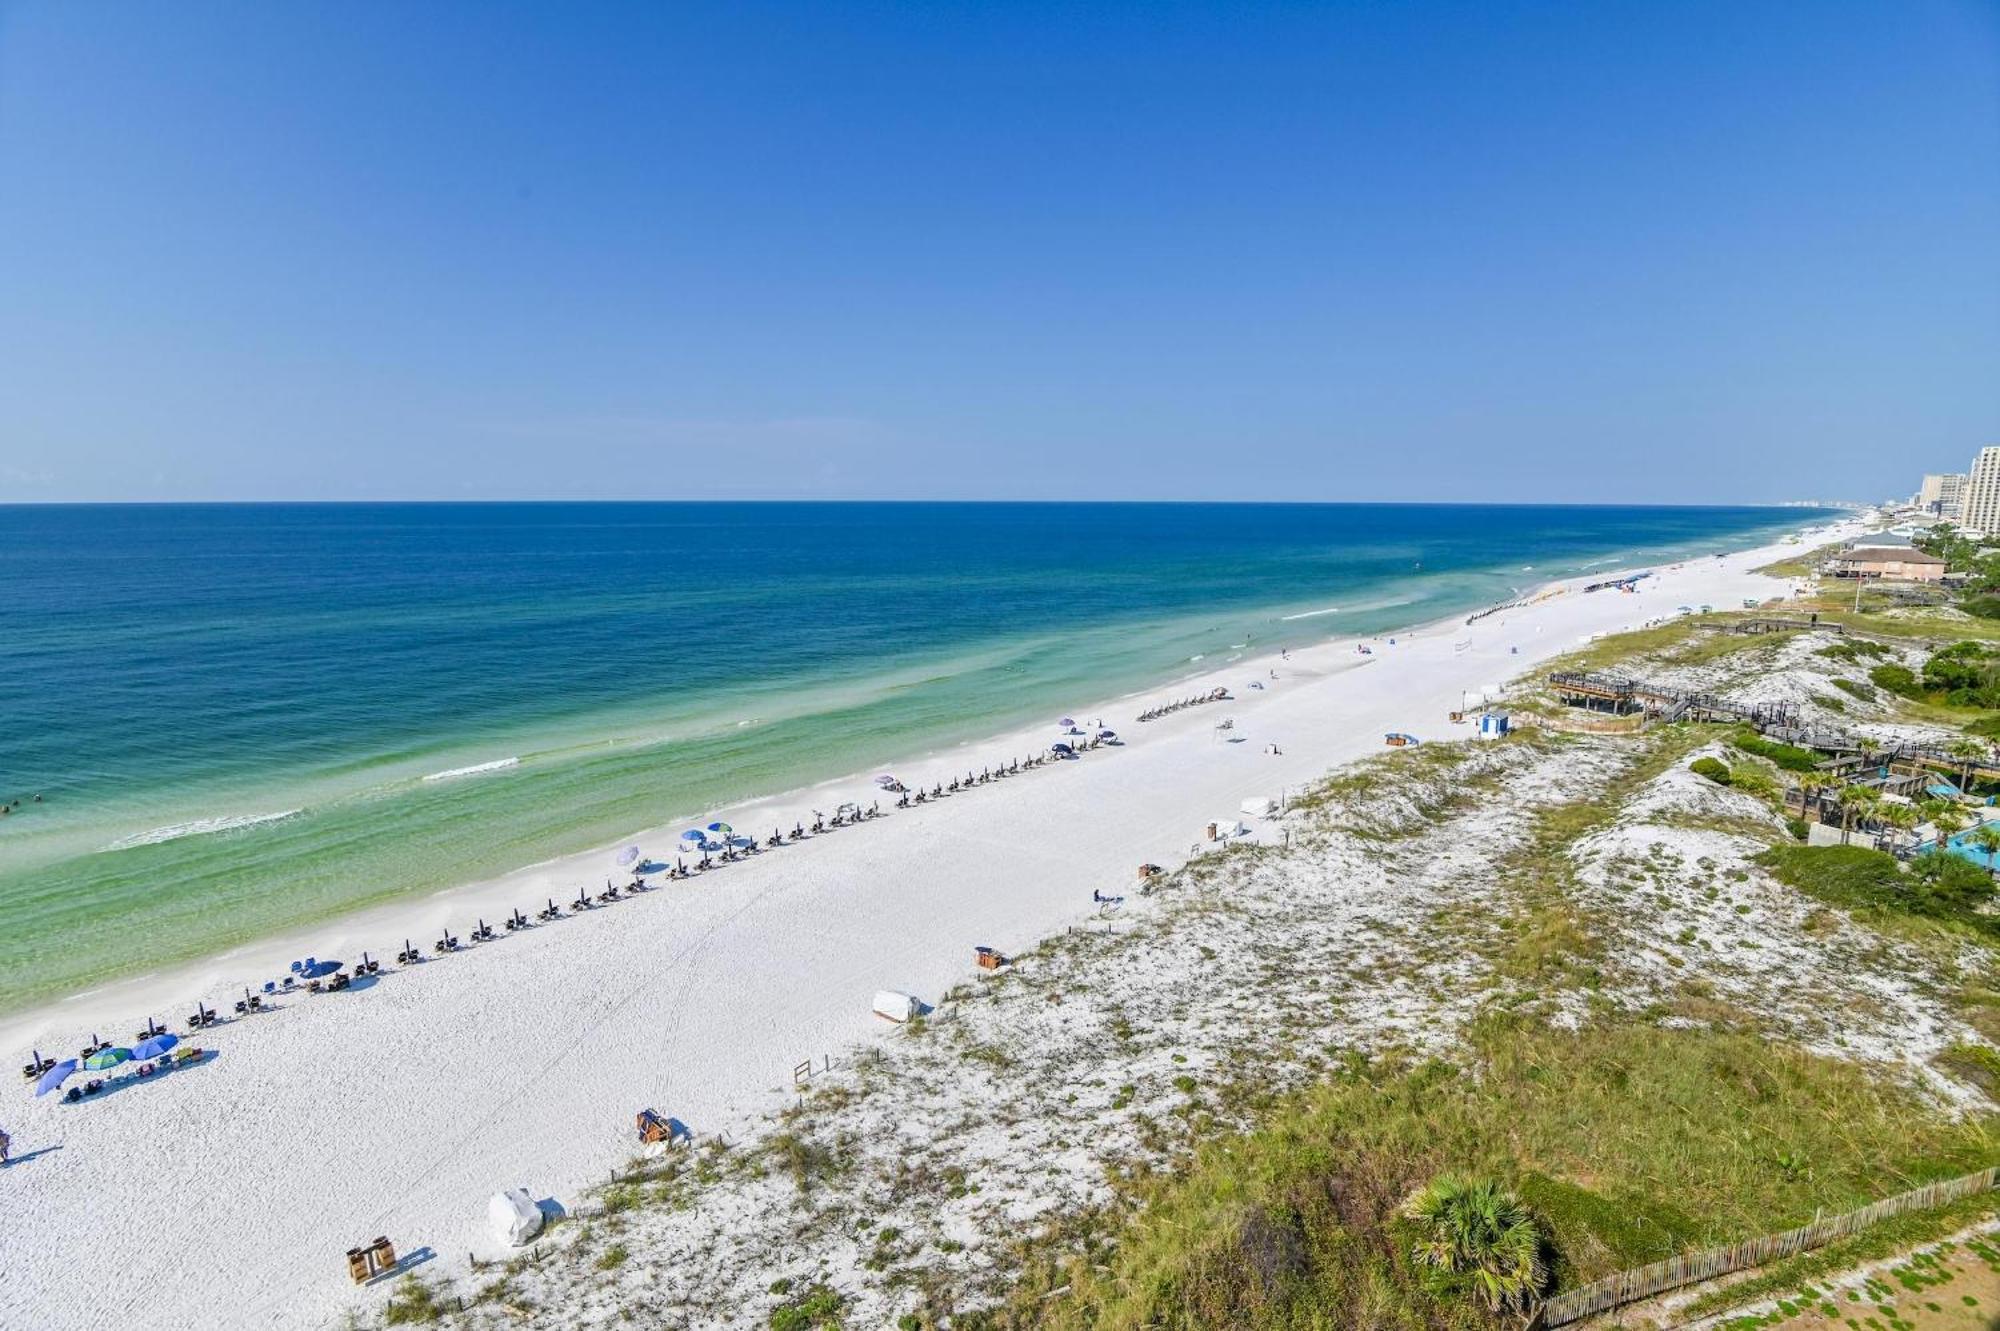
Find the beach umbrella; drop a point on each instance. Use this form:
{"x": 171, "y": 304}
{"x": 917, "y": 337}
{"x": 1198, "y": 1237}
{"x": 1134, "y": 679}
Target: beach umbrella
{"x": 156, "y": 1046}
{"x": 55, "y": 1076}
{"x": 885, "y": 781}
{"x": 1067, "y": 722}
{"x": 628, "y": 855}
{"x": 694, "y": 836}
{"x": 106, "y": 1058}
{"x": 722, "y": 829}
{"x": 314, "y": 969}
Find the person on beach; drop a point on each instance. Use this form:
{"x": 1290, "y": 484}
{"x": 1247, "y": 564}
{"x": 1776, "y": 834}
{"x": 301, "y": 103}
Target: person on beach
{"x": 6, "y": 1147}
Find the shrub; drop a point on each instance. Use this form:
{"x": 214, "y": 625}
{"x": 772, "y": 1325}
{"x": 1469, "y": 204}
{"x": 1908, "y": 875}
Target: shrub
{"x": 1788, "y": 756}
{"x": 1986, "y": 727}
{"x": 1985, "y": 607}
{"x": 1797, "y": 827}
{"x": 1897, "y": 679}
{"x": 1712, "y": 768}
{"x": 1854, "y": 688}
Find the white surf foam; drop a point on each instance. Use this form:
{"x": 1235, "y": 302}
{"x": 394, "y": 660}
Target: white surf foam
{"x": 474, "y": 770}
{"x": 200, "y": 827}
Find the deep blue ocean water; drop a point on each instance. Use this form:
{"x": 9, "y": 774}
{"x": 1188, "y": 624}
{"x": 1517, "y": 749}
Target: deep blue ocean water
{"x": 171, "y": 677}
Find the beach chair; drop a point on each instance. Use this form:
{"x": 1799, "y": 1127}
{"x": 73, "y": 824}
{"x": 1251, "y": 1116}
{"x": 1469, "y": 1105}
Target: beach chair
{"x": 988, "y": 959}
{"x": 358, "y": 1268}
{"x": 653, "y": 1128}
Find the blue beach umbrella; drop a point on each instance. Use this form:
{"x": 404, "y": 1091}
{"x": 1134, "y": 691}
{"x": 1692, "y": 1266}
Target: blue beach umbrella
{"x": 55, "y": 1076}
{"x": 694, "y": 836}
{"x": 314, "y": 969}
{"x": 156, "y": 1046}
{"x": 106, "y": 1058}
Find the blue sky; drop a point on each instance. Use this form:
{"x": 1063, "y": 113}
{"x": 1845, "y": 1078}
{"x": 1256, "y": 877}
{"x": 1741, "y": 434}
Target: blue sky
{"x": 1689, "y": 251}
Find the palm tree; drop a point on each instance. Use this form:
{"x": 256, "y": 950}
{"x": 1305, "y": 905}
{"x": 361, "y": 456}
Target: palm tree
{"x": 1946, "y": 817}
{"x": 1856, "y": 804}
{"x": 1967, "y": 752}
{"x": 1987, "y": 837}
{"x": 1901, "y": 818}
{"x": 1475, "y": 1231}
{"x": 1813, "y": 786}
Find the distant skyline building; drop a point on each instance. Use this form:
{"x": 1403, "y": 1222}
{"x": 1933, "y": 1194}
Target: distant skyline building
{"x": 1979, "y": 504}
{"x": 1942, "y": 494}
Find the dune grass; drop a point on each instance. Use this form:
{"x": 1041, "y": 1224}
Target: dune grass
{"x": 1632, "y": 1142}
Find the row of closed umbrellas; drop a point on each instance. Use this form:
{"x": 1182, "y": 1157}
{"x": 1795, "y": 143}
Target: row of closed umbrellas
{"x": 105, "y": 1059}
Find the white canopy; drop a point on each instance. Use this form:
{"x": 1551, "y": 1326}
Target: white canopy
{"x": 514, "y": 1216}
{"x": 895, "y": 1006}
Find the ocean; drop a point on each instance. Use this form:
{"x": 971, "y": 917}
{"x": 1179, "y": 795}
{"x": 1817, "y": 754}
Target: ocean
{"x": 243, "y": 718}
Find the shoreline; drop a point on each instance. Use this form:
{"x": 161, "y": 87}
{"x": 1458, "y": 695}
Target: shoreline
{"x": 161, "y": 993}
{"x": 401, "y": 1106}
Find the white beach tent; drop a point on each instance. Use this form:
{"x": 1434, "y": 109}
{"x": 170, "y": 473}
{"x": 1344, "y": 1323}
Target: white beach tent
{"x": 895, "y": 1006}
{"x": 514, "y": 1216}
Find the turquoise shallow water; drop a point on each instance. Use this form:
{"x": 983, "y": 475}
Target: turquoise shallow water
{"x": 174, "y": 678}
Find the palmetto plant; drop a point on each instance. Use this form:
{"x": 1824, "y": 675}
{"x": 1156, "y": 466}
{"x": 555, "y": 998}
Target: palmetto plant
{"x": 1476, "y": 1234}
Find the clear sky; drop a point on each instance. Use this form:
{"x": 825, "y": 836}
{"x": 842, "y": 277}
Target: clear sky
{"x": 1592, "y": 251}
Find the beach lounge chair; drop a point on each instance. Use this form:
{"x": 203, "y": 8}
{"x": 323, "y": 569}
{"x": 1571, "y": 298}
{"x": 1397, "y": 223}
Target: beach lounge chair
{"x": 653, "y": 1128}
{"x": 988, "y": 959}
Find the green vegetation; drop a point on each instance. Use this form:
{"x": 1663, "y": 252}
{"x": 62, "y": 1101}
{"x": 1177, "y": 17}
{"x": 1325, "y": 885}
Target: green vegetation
{"x": 1630, "y": 1142}
{"x": 1897, "y": 679}
{"x": 818, "y": 1309}
{"x": 1713, "y": 768}
{"x": 412, "y": 1304}
{"x": 1788, "y": 756}
{"x": 1853, "y": 650}
{"x": 1472, "y": 1236}
{"x": 1938, "y": 886}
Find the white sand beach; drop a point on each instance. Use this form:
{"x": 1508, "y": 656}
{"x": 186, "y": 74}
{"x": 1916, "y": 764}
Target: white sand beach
{"x": 225, "y": 1194}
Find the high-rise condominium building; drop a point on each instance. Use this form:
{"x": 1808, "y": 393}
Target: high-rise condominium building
{"x": 1942, "y": 495}
{"x": 1979, "y": 503}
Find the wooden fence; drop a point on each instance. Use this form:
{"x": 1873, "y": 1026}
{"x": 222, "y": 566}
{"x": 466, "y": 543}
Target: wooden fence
{"x": 1690, "y": 1268}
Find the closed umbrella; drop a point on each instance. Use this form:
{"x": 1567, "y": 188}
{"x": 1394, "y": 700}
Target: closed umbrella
{"x": 106, "y": 1058}
{"x": 156, "y": 1046}
{"x": 55, "y": 1076}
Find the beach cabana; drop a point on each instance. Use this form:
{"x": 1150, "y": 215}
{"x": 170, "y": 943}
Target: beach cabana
{"x": 895, "y": 1006}
{"x": 513, "y": 1216}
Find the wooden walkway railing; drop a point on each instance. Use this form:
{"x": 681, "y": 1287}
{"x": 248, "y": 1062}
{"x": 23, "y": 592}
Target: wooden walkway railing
{"x": 1690, "y": 1268}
